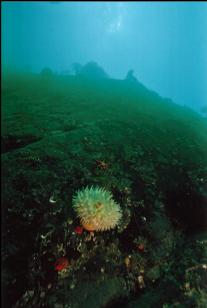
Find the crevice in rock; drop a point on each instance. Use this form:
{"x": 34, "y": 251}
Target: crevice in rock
{"x": 13, "y": 142}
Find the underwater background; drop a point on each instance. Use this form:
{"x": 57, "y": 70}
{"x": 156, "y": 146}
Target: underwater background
{"x": 104, "y": 154}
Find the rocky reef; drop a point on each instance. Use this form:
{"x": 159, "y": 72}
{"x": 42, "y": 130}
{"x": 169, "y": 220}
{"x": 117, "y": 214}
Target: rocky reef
{"x": 64, "y": 135}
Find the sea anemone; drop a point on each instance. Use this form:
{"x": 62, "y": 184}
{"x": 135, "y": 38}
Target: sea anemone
{"x": 96, "y": 209}
{"x": 61, "y": 263}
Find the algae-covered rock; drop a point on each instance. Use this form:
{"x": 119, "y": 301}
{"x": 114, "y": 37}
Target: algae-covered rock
{"x": 93, "y": 294}
{"x": 155, "y": 163}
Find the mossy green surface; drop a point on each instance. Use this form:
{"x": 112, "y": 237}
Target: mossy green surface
{"x": 53, "y": 132}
